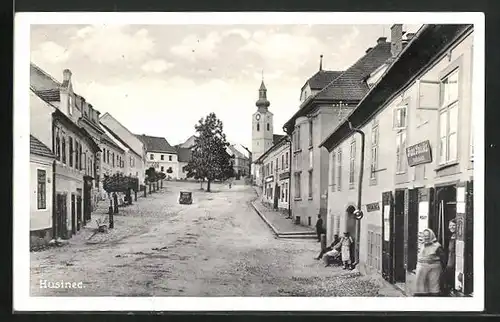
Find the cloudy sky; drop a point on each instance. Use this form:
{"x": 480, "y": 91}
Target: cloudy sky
{"x": 161, "y": 79}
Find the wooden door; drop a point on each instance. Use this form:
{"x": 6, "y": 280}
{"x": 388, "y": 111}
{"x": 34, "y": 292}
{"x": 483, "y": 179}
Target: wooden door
{"x": 78, "y": 212}
{"x": 73, "y": 214}
{"x": 61, "y": 210}
{"x": 398, "y": 237}
{"x": 276, "y": 196}
{"x": 387, "y": 214}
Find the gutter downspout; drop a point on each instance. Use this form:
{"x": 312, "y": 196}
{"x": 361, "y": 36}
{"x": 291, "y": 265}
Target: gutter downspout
{"x": 360, "y": 186}
{"x": 290, "y": 178}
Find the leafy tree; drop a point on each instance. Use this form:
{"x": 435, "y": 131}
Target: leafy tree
{"x": 210, "y": 159}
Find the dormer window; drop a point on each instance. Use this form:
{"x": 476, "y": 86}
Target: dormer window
{"x": 70, "y": 105}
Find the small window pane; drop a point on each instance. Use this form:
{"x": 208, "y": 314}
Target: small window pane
{"x": 453, "y": 112}
{"x": 443, "y": 124}
{"x": 453, "y": 147}
{"x": 442, "y": 150}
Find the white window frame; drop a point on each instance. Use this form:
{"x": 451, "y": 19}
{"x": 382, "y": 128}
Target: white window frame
{"x": 398, "y": 110}
{"x": 401, "y": 164}
{"x": 352, "y": 162}
{"x": 298, "y": 183}
{"x": 374, "y": 151}
{"x": 38, "y": 193}
{"x": 446, "y": 106}
{"x": 339, "y": 169}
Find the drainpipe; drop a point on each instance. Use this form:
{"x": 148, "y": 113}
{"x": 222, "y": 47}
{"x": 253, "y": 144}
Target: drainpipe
{"x": 359, "y": 213}
{"x": 289, "y": 139}
{"x": 54, "y": 214}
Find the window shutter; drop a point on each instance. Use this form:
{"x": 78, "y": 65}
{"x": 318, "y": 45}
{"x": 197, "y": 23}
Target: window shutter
{"x": 469, "y": 251}
{"x": 429, "y": 93}
{"x": 412, "y": 230}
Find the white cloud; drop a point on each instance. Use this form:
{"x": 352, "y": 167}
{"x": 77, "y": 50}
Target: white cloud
{"x": 112, "y": 43}
{"x": 156, "y": 66}
{"x": 194, "y": 48}
{"x": 347, "y": 40}
{"x": 50, "y": 52}
{"x": 240, "y": 32}
{"x": 283, "y": 51}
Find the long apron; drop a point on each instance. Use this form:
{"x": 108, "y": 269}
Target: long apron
{"x": 427, "y": 279}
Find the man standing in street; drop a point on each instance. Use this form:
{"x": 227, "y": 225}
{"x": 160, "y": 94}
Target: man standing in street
{"x": 319, "y": 228}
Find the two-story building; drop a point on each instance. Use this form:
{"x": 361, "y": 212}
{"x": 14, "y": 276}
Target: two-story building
{"x": 418, "y": 168}
{"x": 55, "y": 122}
{"x": 320, "y": 111}
{"x": 275, "y": 168}
{"x": 136, "y": 149}
{"x": 183, "y": 158}
{"x": 160, "y": 155}
{"x": 240, "y": 161}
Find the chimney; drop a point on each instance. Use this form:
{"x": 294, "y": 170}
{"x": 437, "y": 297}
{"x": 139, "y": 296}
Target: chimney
{"x": 66, "y": 75}
{"x": 396, "y": 39}
{"x": 381, "y": 40}
{"x": 368, "y": 50}
{"x": 320, "y": 62}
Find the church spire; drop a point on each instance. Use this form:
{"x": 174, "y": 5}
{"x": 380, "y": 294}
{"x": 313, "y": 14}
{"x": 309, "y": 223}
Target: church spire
{"x": 262, "y": 102}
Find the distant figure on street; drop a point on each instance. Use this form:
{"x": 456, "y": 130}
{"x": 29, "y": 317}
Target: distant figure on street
{"x": 319, "y": 227}
{"x": 449, "y": 273}
{"x": 429, "y": 266}
{"x": 346, "y": 243}
{"x": 336, "y": 240}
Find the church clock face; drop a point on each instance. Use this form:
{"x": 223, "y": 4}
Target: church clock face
{"x": 257, "y": 117}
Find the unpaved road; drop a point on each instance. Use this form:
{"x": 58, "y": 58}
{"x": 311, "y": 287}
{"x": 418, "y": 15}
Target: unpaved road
{"x": 218, "y": 246}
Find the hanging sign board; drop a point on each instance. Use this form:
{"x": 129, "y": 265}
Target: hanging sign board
{"x": 419, "y": 153}
{"x": 375, "y": 206}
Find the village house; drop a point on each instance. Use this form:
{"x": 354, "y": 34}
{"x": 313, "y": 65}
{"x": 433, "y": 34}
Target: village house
{"x": 240, "y": 161}
{"x": 41, "y": 210}
{"x": 136, "y": 149}
{"x": 54, "y": 122}
{"x": 275, "y": 165}
{"x": 320, "y": 111}
{"x": 419, "y": 157}
{"x": 160, "y": 155}
{"x": 183, "y": 157}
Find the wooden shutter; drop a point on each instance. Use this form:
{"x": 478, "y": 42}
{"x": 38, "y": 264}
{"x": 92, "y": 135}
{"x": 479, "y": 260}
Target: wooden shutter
{"x": 412, "y": 230}
{"x": 469, "y": 214}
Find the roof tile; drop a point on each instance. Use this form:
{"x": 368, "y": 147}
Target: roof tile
{"x": 157, "y": 144}
{"x": 38, "y": 148}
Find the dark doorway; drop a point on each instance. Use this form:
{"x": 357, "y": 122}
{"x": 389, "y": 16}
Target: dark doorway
{"x": 412, "y": 230}
{"x": 73, "y": 214}
{"x": 387, "y": 256}
{"x": 87, "y": 188}
{"x": 276, "y": 196}
{"x": 444, "y": 211}
{"x": 61, "y": 213}
{"x": 398, "y": 238}
{"x": 351, "y": 222}
{"x": 78, "y": 212}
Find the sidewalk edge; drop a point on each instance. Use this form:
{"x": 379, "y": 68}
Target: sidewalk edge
{"x": 275, "y": 231}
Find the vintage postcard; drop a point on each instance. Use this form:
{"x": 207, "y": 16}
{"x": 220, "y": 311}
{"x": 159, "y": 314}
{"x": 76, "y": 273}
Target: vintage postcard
{"x": 249, "y": 161}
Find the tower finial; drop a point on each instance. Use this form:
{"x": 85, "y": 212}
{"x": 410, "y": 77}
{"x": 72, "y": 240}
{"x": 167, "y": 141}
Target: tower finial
{"x": 262, "y": 74}
{"x": 321, "y": 62}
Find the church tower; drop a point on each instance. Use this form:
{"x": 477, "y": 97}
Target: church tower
{"x": 262, "y": 125}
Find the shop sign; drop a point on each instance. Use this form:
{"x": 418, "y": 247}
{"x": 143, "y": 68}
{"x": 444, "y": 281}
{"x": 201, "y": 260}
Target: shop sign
{"x": 419, "y": 153}
{"x": 269, "y": 179}
{"x": 284, "y": 175}
{"x": 373, "y": 207}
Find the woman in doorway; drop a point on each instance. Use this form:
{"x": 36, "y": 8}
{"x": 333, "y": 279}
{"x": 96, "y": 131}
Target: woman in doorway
{"x": 449, "y": 273}
{"x": 346, "y": 243}
{"x": 429, "y": 265}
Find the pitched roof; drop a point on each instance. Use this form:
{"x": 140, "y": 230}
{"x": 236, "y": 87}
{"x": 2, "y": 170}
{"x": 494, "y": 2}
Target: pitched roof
{"x": 38, "y": 148}
{"x": 277, "y": 138}
{"x": 156, "y": 144}
{"x": 105, "y": 137}
{"x": 283, "y": 140}
{"x": 423, "y": 49}
{"x": 117, "y": 137}
{"x": 234, "y": 151}
{"x": 183, "y": 154}
{"x": 322, "y": 78}
{"x": 351, "y": 84}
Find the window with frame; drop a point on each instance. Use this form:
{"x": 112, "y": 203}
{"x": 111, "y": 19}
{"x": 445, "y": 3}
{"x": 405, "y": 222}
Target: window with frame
{"x": 401, "y": 164}
{"x": 400, "y": 117}
{"x": 70, "y": 105}
{"x": 77, "y": 156}
{"x": 352, "y": 161}
{"x": 41, "y": 189}
{"x": 333, "y": 169}
{"x": 113, "y": 158}
{"x": 58, "y": 148}
{"x": 104, "y": 155}
{"x": 162, "y": 169}
{"x": 63, "y": 147}
{"x": 283, "y": 161}
{"x": 448, "y": 118}
{"x": 169, "y": 158}
{"x": 162, "y": 157}
{"x": 268, "y": 127}
{"x": 297, "y": 184}
{"x": 297, "y": 138}
{"x": 277, "y": 165}
{"x": 310, "y": 192}
{"x": 310, "y": 132}
{"x": 81, "y": 158}
{"x": 70, "y": 143}
{"x": 272, "y": 167}
{"x": 151, "y": 156}
{"x": 107, "y": 157}
{"x": 286, "y": 192}
{"x": 286, "y": 160}
{"x": 374, "y": 250}
{"x": 339, "y": 169}
{"x": 374, "y": 152}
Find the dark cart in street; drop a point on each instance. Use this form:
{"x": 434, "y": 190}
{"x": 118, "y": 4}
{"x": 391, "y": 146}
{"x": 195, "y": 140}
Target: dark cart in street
{"x": 186, "y": 198}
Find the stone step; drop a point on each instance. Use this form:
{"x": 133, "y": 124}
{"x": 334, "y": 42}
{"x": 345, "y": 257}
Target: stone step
{"x": 297, "y": 236}
{"x": 298, "y": 233}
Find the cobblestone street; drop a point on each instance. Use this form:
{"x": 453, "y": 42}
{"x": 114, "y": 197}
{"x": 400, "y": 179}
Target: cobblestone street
{"x": 218, "y": 246}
